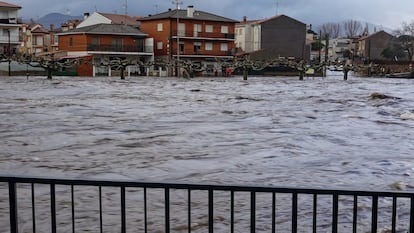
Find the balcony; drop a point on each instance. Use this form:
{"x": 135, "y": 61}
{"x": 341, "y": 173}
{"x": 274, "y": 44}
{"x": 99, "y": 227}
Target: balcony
{"x": 120, "y": 48}
{"x": 201, "y": 53}
{"x": 204, "y": 35}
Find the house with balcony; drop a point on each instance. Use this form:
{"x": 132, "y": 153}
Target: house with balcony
{"x": 272, "y": 38}
{"x": 191, "y": 35}
{"x": 36, "y": 39}
{"x": 9, "y": 28}
{"x": 100, "y": 43}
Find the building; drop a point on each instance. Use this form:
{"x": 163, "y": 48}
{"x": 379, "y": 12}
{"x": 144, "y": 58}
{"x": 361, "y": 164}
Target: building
{"x": 279, "y": 36}
{"x": 9, "y": 28}
{"x": 103, "y": 42}
{"x": 107, "y": 18}
{"x": 36, "y": 39}
{"x": 196, "y": 36}
{"x": 370, "y": 47}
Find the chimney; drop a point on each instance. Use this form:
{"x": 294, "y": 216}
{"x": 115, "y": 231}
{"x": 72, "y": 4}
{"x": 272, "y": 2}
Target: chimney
{"x": 52, "y": 27}
{"x": 244, "y": 19}
{"x": 190, "y": 11}
{"x": 85, "y": 15}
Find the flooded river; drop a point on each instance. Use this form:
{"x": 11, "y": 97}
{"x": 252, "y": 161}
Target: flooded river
{"x": 266, "y": 131}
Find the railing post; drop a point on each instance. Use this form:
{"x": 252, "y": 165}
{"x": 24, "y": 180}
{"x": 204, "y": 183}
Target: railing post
{"x": 412, "y": 214}
{"x": 294, "y": 212}
{"x": 252, "y": 212}
{"x": 167, "y": 209}
{"x": 210, "y": 210}
{"x": 123, "y": 211}
{"x": 53, "y": 206}
{"x": 13, "y": 207}
{"x": 335, "y": 213}
{"x": 374, "y": 223}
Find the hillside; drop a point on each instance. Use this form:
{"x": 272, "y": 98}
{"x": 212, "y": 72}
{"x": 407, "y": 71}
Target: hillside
{"x": 57, "y": 19}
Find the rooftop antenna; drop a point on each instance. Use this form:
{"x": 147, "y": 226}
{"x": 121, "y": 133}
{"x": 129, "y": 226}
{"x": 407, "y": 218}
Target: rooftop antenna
{"x": 277, "y": 7}
{"x": 126, "y": 7}
{"x": 156, "y": 8}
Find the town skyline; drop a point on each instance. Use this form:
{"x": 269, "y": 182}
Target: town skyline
{"x": 381, "y": 13}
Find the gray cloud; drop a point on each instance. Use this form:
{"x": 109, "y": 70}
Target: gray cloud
{"x": 387, "y": 13}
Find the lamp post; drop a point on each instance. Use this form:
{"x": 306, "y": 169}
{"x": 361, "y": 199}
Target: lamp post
{"x": 9, "y": 51}
{"x": 177, "y": 4}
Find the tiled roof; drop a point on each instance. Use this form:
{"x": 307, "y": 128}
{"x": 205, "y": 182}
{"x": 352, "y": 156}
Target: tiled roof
{"x": 260, "y": 21}
{"x": 107, "y": 29}
{"x": 122, "y": 19}
{"x": 182, "y": 14}
{"x": 9, "y": 5}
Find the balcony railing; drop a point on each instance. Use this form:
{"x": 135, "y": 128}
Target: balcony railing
{"x": 210, "y": 35}
{"x": 78, "y": 205}
{"x": 201, "y": 52}
{"x": 119, "y": 48}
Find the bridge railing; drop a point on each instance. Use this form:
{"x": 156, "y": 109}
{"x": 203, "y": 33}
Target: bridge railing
{"x": 73, "y": 205}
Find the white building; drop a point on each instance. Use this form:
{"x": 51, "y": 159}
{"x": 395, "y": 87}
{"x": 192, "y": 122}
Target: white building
{"x": 9, "y": 28}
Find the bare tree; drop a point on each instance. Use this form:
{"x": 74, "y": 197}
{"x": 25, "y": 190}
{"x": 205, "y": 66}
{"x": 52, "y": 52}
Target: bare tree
{"x": 332, "y": 30}
{"x": 352, "y": 28}
{"x": 405, "y": 36}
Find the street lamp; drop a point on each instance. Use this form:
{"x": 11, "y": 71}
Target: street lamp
{"x": 177, "y": 4}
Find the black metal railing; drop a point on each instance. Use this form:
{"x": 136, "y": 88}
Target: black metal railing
{"x": 172, "y": 207}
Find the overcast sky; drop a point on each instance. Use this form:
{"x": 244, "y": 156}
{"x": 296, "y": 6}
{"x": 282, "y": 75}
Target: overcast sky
{"x": 386, "y": 13}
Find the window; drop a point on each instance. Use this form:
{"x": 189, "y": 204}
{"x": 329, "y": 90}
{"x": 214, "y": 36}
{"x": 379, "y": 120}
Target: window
{"x": 71, "y": 42}
{"x": 181, "y": 47}
{"x": 117, "y": 44}
{"x": 197, "y": 47}
{"x": 95, "y": 40}
{"x": 209, "y": 46}
{"x": 181, "y": 29}
{"x": 159, "y": 45}
{"x": 224, "y": 47}
{"x": 209, "y": 28}
{"x": 159, "y": 27}
{"x": 224, "y": 29}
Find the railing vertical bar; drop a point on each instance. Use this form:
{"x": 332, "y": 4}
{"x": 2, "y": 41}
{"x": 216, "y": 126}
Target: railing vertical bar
{"x": 394, "y": 215}
{"x": 145, "y": 211}
{"x": 189, "y": 210}
{"x": 315, "y": 212}
{"x": 13, "y": 207}
{"x": 53, "y": 206}
{"x": 100, "y": 210}
{"x": 33, "y": 209}
{"x": 412, "y": 214}
{"x": 210, "y": 210}
{"x": 355, "y": 215}
{"x": 123, "y": 210}
{"x": 167, "y": 209}
{"x": 232, "y": 211}
{"x": 72, "y": 197}
{"x": 335, "y": 213}
{"x": 294, "y": 212}
{"x": 273, "y": 212}
{"x": 374, "y": 213}
{"x": 252, "y": 212}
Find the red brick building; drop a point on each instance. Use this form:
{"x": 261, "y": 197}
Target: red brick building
{"x": 103, "y": 42}
{"x": 191, "y": 35}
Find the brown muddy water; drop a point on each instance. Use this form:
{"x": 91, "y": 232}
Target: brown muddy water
{"x": 266, "y": 131}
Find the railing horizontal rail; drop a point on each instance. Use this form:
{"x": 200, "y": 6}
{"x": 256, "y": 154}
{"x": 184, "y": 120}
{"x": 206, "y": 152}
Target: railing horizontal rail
{"x": 228, "y": 196}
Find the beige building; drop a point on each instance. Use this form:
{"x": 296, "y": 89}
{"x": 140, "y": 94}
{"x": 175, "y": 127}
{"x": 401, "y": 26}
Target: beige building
{"x": 9, "y": 28}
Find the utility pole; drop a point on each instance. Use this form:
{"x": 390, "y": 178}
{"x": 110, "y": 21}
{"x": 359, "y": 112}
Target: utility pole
{"x": 9, "y": 51}
{"x": 177, "y": 5}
